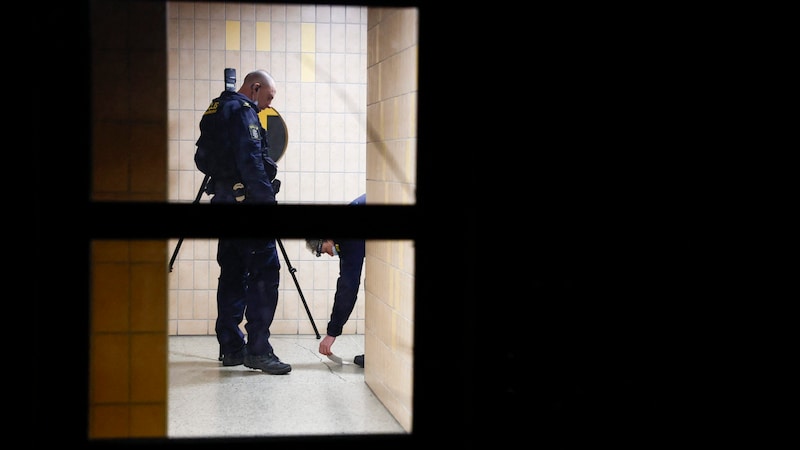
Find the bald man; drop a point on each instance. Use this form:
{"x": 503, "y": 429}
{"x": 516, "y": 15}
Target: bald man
{"x": 235, "y": 153}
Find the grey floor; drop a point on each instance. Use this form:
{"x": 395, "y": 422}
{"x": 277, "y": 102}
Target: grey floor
{"x": 318, "y": 397}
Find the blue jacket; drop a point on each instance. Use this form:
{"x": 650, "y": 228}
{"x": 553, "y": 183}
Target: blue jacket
{"x": 231, "y": 126}
{"x": 351, "y": 264}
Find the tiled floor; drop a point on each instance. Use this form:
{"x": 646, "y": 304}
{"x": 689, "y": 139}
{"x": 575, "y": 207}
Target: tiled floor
{"x": 318, "y": 397}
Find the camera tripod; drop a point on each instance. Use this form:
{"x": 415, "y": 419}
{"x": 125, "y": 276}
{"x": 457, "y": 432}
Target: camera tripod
{"x": 292, "y": 270}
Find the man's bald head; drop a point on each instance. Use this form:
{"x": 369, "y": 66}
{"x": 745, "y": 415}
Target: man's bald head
{"x": 259, "y": 86}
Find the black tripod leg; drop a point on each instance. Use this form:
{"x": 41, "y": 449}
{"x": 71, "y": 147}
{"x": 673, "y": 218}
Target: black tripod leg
{"x": 175, "y": 254}
{"x": 292, "y": 270}
{"x": 180, "y": 241}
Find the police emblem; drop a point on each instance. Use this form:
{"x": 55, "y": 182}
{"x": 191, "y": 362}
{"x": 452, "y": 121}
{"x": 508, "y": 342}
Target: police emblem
{"x": 254, "y": 133}
{"x": 212, "y": 108}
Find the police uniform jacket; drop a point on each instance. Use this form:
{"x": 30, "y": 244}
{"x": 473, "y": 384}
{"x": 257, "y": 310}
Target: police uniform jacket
{"x": 351, "y": 264}
{"x": 231, "y": 124}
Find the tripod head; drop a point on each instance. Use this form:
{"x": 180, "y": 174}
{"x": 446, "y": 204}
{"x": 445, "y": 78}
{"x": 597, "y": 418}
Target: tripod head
{"x": 230, "y": 79}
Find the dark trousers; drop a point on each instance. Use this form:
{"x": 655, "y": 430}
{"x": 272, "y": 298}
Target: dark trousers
{"x": 248, "y": 288}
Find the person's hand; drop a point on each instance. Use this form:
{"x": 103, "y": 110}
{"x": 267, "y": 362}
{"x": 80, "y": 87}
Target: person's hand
{"x": 326, "y": 344}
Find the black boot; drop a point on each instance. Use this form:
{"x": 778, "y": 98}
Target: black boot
{"x": 268, "y": 363}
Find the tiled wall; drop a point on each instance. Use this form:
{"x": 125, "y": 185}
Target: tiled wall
{"x": 128, "y": 338}
{"x": 391, "y": 178}
{"x": 128, "y": 366}
{"x": 317, "y": 54}
{"x": 142, "y": 147}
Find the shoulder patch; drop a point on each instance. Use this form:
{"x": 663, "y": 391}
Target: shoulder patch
{"x": 212, "y": 108}
{"x": 255, "y": 133}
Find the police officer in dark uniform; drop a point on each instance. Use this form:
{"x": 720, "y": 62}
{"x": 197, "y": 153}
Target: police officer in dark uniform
{"x": 351, "y": 254}
{"x": 233, "y": 149}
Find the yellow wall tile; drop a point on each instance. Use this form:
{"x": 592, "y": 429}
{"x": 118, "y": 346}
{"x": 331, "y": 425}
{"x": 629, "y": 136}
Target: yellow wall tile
{"x": 106, "y": 67}
{"x": 148, "y": 368}
{"x": 109, "y": 367}
{"x": 147, "y": 145}
{"x": 130, "y": 151}
{"x": 110, "y": 297}
{"x": 109, "y": 171}
{"x": 148, "y": 283}
{"x": 308, "y": 38}
{"x": 148, "y": 420}
{"x": 148, "y": 251}
{"x": 108, "y": 251}
{"x": 108, "y": 421}
{"x": 232, "y": 35}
